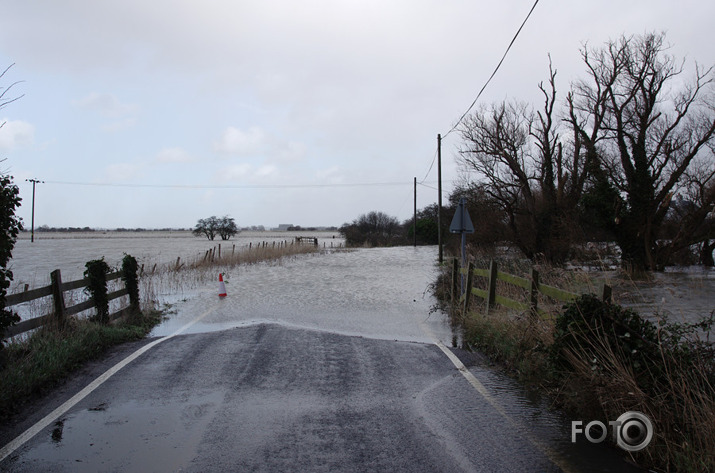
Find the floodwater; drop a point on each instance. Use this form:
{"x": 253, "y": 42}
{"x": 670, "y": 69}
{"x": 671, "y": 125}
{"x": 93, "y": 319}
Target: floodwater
{"x": 682, "y": 294}
{"x": 32, "y": 262}
{"x": 379, "y": 293}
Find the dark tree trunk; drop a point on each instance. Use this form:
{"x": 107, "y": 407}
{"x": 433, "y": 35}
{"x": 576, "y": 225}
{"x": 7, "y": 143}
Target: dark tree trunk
{"x": 706, "y": 254}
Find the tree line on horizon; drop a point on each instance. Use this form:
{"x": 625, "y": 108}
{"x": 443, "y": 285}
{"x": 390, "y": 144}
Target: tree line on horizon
{"x": 626, "y": 156}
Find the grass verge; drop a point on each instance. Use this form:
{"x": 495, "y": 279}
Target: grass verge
{"x": 597, "y": 360}
{"x": 31, "y": 367}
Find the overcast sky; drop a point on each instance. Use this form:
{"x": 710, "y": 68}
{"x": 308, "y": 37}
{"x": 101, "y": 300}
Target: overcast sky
{"x": 157, "y": 113}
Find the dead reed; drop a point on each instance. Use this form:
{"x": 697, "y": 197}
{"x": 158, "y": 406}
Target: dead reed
{"x": 179, "y": 279}
{"x": 673, "y": 384}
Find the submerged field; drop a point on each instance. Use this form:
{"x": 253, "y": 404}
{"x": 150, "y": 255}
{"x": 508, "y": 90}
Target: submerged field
{"x": 684, "y": 294}
{"x": 33, "y": 262}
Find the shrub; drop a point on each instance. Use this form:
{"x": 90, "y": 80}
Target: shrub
{"x": 374, "y": 229}
{"x": 10, "y": 226}
{"x": 589, "y": 319}
{"x": 96, "y": 272}
{"x": 131, "y": 281}
{"x": 589, "y": 325}
{"x": 616, "y": 359}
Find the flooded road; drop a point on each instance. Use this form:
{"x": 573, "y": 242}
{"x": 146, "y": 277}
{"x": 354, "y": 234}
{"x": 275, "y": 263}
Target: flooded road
{"x": 378, "y": 293}
{"x": 320, "y": 363}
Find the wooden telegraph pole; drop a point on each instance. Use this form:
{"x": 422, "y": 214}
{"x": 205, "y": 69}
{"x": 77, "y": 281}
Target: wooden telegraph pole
{"x": 439, "y": 197}
{"x": 414, "y": 220}
{"x": 32, "y": 231}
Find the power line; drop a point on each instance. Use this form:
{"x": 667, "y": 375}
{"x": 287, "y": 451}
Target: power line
{"x": 495, "y": 71}
{"x": 434, "y": 158}
{"x": 229, "y": 186}
{"x": 425, "y": 185}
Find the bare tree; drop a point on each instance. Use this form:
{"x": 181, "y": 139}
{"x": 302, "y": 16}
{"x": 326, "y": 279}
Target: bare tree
{"x": 208, "y": 227}
{"x": 690, "y": 222}
{"x": 373, "y": 228}
{"x": 534, "y": 174}
{"x": 5, "y": 97}
{"x": 645, "y": 130}
{"x": 227, "y": 228}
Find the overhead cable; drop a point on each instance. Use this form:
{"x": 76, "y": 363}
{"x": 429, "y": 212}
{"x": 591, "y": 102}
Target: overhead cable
{"x": 493, "y": 73}
{"x": 229, "y": 186}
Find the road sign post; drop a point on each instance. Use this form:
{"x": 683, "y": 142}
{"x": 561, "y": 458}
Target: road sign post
{"x": 462, "y": 223}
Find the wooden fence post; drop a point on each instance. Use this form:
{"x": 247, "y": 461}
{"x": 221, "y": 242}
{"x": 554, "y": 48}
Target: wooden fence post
{"x": 607, "y": 293}
{"x": 534, "y": 292}
{"x": 131, "y": 282}
{"x": 492, "y": 288}
{"x": 58, "y": 297}
{"x": 455, "y": 278}
{"x": 468, "y": 291}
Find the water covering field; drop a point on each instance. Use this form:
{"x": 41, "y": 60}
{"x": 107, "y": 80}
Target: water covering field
{"x": 32, "y": 262}
{"x": 684, "y": 294}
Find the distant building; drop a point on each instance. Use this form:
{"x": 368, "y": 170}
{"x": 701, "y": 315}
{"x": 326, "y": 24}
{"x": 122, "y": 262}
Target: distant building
{"x": 283, "y": 227}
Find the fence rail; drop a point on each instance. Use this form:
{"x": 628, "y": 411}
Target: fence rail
{"x": 301, "y": 240}
{"x": 492, "y": 274}
{"x": 56, "y": 290}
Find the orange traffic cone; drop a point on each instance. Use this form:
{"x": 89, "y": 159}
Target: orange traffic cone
{"x": 221, "y": 286}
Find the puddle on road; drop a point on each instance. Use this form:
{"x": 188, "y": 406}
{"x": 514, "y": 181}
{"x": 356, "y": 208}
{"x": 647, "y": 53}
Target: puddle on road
{"x": 57, "y": 431}
{"x": 172, "y": 429}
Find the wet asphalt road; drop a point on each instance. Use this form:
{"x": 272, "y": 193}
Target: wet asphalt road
{"x": 271, "y": 398}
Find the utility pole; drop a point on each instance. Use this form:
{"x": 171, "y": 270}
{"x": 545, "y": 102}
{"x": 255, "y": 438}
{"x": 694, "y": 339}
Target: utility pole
{"x": 34, "y": 181}
{"x": 439, "y": 197}
{"x": 414, "y": 221}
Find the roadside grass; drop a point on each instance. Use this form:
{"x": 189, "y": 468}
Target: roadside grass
{"x": 597, "y": 361}
{"x": 33, "y": 365}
